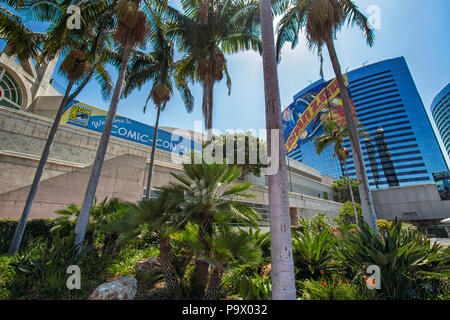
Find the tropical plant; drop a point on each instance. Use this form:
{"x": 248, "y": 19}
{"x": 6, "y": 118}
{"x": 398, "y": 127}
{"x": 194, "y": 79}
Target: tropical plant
{"x": 313, "y": 253}
{"x": 205, "y": 34}
{"x": 342, "y": 191}
{"x": 283, "y": 278}
{"x": 163, "y": 217}
{"x": 131, "y": 30}
{"x": 86, "y": 56}
{"x": 317, "y": 224}
{"x": 159, "y": 67}
{"x": 329, "y": 289}
{"x": 254, "y": 287}
{"x": 402, "y": 258}
{"x": 40, "y": 270}
{"x": 334, "y": 134}
{"x": 248, "y": 151}
{"x": 346, "y": 214}
{"x": 230, "y": 251}
{"x": 321, "y": 20}
{"x": 102, "y": 216}
{"x": 22, "y": 41}
{"x": 208, "y": 199}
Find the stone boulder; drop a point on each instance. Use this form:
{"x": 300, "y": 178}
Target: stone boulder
{"x": 124, "y": 288}
{"x": 149, "y": 264}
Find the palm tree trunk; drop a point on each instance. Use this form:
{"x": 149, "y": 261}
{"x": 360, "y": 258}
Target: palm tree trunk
{"x": 168, "y": 269}
{"x": 214, "y": 284}
{"x": 15, "y": 244}
{"x": 283, "y": 280}
{"x": 17, "y": 239}
{"x": 361, "y": 174}
{"x": 152, "y": 156}
{"x": 91, "y": 188}
{"x": 199, "y": 278}
{"x": 351, "y": 195}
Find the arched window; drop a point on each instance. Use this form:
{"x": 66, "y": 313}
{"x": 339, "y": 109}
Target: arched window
{"x": 10, "y": 93}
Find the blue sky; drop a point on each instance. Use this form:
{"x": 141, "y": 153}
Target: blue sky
{"x": 415, "y": 29}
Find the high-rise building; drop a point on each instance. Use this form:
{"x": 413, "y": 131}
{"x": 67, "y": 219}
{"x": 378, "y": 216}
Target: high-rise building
{"x": 399, "y": 145}
{"x": 440, "y": 109}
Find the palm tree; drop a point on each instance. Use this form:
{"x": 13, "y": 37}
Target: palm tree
{"x": 162, "y": 217}
{"x": 131, "y": 30}
{"x": 322, "y": 19}
{"x": 209, "y": 197}
{"x": 283, "y": 278}
{"x": 22, "y": 41}
{"x": 205, "y": 33}
{"x": 158, "y": 67}
{"x": 86, "y": 57}
{"x": 335, "y": 134}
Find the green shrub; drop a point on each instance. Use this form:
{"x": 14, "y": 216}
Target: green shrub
{"x": 40, "y": 270}
{"x": 38, "y": 228}
{"x": 333, "y": 289}
{"x": 313, "y": 253}
{"x": 346, "y": 214}
{"x": 404, "y": 260}
{"x": 254, "y": 287}
{"x": 124, "y": 263}
{"x": 317, "y": 224}
{"x": 6, "y": 276}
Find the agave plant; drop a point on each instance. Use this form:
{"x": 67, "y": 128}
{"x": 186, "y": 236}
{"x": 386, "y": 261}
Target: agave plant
{"x": 402, "y": 257}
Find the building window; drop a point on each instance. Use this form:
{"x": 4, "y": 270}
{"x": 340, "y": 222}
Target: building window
{"x": 10, "y": 93}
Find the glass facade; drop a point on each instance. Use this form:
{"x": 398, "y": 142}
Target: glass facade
{"x": 399, "y": 146}
{"x": 440, "y": 109}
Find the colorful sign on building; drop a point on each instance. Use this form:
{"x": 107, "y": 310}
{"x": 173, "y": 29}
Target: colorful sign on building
{"x": 303, "y": 120}
{"x": 85, "y": 116}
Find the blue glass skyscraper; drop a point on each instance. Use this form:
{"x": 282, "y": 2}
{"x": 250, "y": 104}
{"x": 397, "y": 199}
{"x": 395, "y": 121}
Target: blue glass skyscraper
{"x": 399, "y": 144}
{"x": 440, "y": 109}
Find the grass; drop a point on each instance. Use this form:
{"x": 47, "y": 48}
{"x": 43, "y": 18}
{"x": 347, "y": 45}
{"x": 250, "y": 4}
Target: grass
{"x": 6, "y": 274}
{"x": 125, "y": 263}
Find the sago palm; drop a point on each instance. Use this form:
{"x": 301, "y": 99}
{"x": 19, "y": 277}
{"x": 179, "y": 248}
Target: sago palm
{"x": 86, "y": 53}
{"x": 163, "y": 217}
{"x": 157, "y": 67}
{"x": 209, "y": 197}
{"x": 131, "y": 30}
{"x": 205, "y": 33}
{"x": 321, "y": 20}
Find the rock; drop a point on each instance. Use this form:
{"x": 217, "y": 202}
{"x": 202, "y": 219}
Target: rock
{"x": 149, "y": 264}
{"x": 124, "y": 288}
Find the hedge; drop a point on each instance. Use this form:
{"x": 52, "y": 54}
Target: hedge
{"x": 37, "y": 228}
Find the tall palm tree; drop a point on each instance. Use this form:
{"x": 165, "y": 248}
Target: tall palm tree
{"x": 209, "y": 197}
{"x": 283, "y": 278}
{"x": 85, "y": 57}
{"x": 334, "y": 134}
{"x": 206, "y": 33}
{"x": 322, "y": 19}
{"x": 158, "y": 67}
{"x": 131, "y": 30}
{"x": 162, "y": 217}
